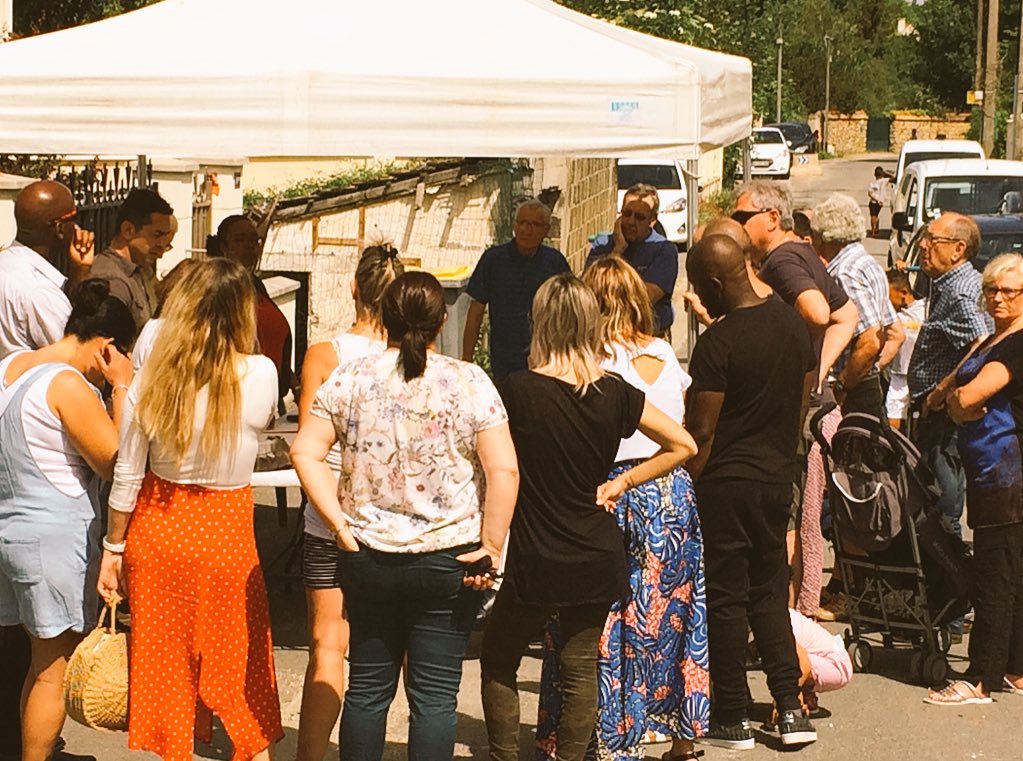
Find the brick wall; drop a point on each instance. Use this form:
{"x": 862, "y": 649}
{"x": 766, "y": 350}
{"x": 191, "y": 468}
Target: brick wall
{"x": 592, "y": 199}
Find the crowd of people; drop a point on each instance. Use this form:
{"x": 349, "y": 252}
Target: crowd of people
{"x": 640, "y": 518}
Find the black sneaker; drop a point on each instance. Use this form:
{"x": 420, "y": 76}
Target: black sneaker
{"x": 732, "y": 736}
{"x": 796, "y": 729}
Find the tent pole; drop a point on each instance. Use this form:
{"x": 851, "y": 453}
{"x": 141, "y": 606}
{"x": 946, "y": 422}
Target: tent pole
{"x": 692, "y": 222}
{"x": 747, "y": 166}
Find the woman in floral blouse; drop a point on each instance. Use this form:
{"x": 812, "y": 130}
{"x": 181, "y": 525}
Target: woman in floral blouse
{"x": 420, "y": 435}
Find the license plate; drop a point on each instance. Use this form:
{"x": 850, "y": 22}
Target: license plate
{"x": 761, "y": 162}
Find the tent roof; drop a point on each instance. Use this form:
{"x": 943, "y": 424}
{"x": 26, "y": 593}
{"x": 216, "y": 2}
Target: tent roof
{"x": 190, "y": 78}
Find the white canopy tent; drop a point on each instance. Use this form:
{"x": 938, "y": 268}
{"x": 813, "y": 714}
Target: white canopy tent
{"x": 200, "y": 78}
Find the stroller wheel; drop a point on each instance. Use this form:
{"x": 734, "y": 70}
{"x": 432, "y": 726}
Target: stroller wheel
{"x": 861, "y": 655}
{"x": 935, "y": 669}
{"x": 916, "y": 666}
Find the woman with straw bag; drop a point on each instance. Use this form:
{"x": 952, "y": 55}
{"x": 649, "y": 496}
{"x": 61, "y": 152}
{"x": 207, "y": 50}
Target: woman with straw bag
{"x": 183, "y": 531}
{"x": 55, "y": 436}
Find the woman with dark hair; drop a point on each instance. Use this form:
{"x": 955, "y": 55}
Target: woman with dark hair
{"x": 328, "y": 628}
{"x": 421, "y": 435}
{"x": 181, "y": 530}
{"x": 238, "y": 240}
{"x": 56, "y": 437}
{"x": 568, "y": 417}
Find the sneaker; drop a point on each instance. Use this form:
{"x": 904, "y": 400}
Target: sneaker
{"x": 795, "y": 729}
{"x": 731, "y": 736}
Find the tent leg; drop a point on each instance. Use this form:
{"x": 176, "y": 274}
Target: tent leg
{"x": 143, "y": 171}
{"x": 692, "y": 222}
{"x": 747, "y": 163}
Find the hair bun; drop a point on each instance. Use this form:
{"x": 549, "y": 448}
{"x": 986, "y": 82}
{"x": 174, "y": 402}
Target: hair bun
{"x": 89, "y": 294}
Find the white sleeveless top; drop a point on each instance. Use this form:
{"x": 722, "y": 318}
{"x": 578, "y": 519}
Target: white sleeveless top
{"x": 665, "y": 393}
{"x": 48, "y": 444}
{"x": 348, "y": 347}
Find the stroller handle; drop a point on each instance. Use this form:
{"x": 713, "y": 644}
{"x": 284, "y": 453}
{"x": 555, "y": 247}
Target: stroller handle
{"x": 817, "y": 420}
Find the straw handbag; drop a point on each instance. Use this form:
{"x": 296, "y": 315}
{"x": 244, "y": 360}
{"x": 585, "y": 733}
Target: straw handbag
{"x": 96, "y": 680}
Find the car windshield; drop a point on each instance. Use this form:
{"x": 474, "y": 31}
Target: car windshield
{"x": 972, "y": 195}
{"x": 912, "y": 158}
{"x": 793, "y": 131}
{"x": 767, "y": 136}
{"x": 661, "y": 176}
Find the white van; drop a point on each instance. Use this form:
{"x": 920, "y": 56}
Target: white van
{"x": 667, "y": 176}
{"x": 969, "y": 186}
{"x": 931, "y": 150}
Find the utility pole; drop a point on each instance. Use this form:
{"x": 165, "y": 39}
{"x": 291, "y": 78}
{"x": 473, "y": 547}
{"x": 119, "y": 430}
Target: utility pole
{"x": 1017, "y": 100}
{"x": 777, "y": 106}
{"x": 827, "y": 91}
{"x": 990, "y": 77}
{"x": 978, "y": 70}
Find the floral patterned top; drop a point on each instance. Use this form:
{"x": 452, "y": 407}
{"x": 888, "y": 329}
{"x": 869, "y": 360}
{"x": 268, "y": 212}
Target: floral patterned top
{"x": 410, "y": 478}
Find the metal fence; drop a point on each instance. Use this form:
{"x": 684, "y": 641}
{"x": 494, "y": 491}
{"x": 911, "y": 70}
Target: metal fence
{"x": 98, "y": 188}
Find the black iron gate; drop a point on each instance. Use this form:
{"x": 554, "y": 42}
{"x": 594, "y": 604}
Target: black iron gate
{"x": 98, "y": 189}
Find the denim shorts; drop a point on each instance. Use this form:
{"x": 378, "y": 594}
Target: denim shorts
{"x": 48, "y": 577}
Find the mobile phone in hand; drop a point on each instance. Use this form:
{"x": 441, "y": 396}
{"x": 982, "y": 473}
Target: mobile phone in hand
{"x": 481, "y": 567}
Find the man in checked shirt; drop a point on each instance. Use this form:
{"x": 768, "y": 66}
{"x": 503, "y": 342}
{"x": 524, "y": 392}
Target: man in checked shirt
{"x": 955, "y": 324}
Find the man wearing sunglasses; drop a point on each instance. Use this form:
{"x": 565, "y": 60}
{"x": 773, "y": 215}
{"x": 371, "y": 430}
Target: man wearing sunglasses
{"x": 955, "y": 324}
{"x": 33, "y": 306}
{"x": 33, "y": 313}
{"x": 652, "y": 255}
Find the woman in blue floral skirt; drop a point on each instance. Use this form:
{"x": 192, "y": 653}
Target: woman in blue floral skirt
{"x": 653, "y": 666}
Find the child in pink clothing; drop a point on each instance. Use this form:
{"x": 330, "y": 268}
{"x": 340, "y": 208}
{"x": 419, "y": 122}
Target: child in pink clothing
{"x": 823, "y": 661}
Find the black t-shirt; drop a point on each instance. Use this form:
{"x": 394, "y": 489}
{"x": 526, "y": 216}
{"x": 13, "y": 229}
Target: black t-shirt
{"x": 564, "y": 550}
{"x": 758, "y": 356}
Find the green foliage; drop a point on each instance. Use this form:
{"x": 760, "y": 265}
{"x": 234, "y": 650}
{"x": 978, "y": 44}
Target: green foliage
{"x": 720, "y": 203}
{"x": 40, "y": 16}
{"x": 334, "y": 182}
{"x": 41, "y": 167}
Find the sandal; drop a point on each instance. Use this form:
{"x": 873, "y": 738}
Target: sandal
{"x": 1009, "y": 686}
{"x": 960, "y": 693}
{"x": 692, "y": 755}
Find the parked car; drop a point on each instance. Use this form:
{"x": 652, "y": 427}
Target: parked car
{"x": 931, "y": 150}
{"x": 798, "y": 136}
{"x": 999, "y": 234}
{"x": 667, "y": 176}
{"x": 969, "y": 186}
{"x": 769, "y": 154}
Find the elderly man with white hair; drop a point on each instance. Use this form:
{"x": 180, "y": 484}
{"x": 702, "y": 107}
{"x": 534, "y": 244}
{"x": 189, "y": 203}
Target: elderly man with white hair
{"x": 838, "y": 229}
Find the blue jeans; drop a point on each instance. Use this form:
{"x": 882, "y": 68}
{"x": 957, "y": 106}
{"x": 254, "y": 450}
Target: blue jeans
{"x": 404, "y": 605}
{"x": 935, "y": 437}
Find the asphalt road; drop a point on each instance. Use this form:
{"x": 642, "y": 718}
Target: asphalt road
{"x": 879, "y": 716}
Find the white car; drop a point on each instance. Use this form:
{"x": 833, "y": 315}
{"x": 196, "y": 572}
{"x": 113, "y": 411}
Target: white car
{"x": 932, "y": 150}
{"x": 769, "y": 153}
{"x": 666, "y": 175}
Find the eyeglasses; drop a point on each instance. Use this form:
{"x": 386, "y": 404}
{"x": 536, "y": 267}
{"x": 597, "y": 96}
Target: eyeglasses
{"x": 1008, "y": 294}
{"x": 742, "y": 216}
{"x": 65, "y": 217}
{"x": 531, "y": 224}
{"x": 931, "y": 238}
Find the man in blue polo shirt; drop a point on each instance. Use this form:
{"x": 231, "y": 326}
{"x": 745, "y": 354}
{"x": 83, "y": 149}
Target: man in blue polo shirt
{"x": 506, "y": 279}
{"x": 653, "y": 256}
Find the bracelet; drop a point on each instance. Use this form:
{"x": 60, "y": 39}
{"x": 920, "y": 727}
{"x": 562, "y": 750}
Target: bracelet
{"x": 117, "y": 386}
{"x": 117, "y": 548}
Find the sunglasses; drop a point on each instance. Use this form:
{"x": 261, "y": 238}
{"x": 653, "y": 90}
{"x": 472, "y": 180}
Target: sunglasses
{"x": 65, "y": 217}
{"x": 743, "y": 216}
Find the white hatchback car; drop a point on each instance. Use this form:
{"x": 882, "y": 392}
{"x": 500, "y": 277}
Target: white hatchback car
{"x": 769, "y": 153}
{"x": 666, "y": 175}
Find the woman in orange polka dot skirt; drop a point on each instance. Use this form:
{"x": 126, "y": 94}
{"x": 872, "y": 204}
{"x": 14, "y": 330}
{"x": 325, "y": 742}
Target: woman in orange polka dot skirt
{"x": 182, "y": 532}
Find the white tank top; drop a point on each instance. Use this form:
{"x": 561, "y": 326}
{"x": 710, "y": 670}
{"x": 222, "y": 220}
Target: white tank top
{"x": 48, "y": 444}
{"x": 665, "y": 393}
{"x": 347, "y": 347}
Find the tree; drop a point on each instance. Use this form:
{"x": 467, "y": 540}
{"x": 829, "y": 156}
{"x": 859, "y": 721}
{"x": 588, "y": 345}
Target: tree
{"x": 33, "y": 17}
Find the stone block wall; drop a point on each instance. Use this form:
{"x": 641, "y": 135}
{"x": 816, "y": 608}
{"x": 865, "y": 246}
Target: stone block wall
{"x": 847, "y": 133}
{"x": 908, "y": 126}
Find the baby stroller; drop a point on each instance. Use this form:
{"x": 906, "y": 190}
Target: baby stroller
{"x": 914, "y": 576}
